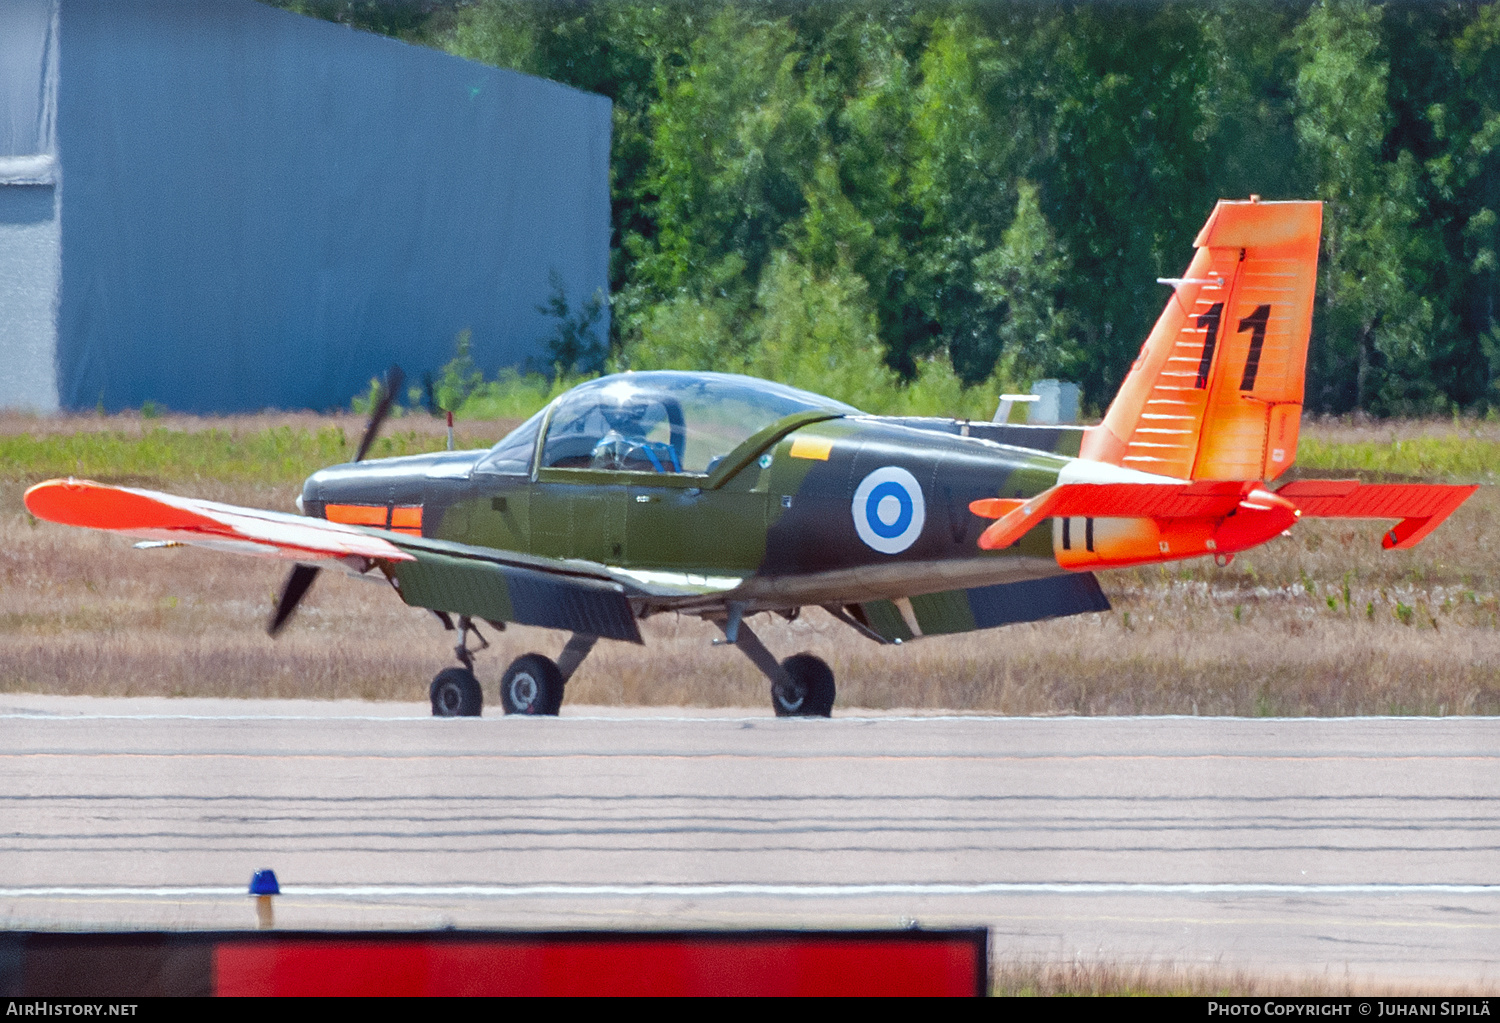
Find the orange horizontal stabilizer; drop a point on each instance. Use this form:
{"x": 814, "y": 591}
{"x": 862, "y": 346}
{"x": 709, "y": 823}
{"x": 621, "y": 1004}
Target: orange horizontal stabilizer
{"x": 1202, "y": 499}
{"x": 1421, "y": 507}
{"x": 995, "y": 507}
{"x": 1013, "y": 524}
{"x": 157, "y": 516}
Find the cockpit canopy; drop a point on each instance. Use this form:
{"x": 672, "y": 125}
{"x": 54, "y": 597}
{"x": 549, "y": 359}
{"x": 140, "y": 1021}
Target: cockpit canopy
{"x": 660, "y": 421}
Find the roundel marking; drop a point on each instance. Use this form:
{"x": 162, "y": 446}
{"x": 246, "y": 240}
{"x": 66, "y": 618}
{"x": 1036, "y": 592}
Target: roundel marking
{"x": 889, "y": 510}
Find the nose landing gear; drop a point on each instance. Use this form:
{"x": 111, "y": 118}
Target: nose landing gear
{"x": 455, "y": 692}
{"x": 532, "y": 685}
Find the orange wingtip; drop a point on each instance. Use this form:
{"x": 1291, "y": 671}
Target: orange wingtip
{"x": 157, "y": 516}
{"x": 93, "y": 505}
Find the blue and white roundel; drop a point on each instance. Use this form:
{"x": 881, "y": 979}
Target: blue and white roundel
{"x": 889, "y": 510}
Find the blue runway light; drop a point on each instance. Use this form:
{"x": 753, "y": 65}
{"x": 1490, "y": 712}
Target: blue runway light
{"x": 264, "y": 883}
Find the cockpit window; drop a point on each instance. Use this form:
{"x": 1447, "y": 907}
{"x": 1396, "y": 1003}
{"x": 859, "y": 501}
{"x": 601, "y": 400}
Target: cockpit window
{"x": 512, "y": 456}
{"x": 666, "y": 421}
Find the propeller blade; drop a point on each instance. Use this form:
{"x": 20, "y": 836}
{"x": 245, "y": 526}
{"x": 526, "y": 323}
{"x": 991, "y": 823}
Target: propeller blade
{"x": 297, "y": 584}
{"x": 394, "y": 378}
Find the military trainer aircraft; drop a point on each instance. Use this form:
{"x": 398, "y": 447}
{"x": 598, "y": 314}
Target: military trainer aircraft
{"x": 724, "y": 496}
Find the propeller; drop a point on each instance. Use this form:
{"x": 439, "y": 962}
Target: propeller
{"x": 300, "y": 580}
{"x": 292, "y": 592}
{"x": 394, "y": 378}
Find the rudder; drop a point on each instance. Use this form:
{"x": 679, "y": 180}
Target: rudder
{"x": 1216, "y": 392}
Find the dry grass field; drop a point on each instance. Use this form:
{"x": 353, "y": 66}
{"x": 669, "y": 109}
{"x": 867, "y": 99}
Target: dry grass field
{"x": 1092, "y": 979}
{"x": 1321, "y": 623}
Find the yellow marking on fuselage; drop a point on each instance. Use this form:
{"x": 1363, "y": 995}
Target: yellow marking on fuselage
{"x": 816, "y": 448}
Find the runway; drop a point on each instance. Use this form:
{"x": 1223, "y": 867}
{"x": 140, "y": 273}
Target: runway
{"x": 1365, "y": 847}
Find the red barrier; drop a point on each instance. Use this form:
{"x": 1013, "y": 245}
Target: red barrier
{"x": 495, "y": 963}
{"x": 699, "y": 964}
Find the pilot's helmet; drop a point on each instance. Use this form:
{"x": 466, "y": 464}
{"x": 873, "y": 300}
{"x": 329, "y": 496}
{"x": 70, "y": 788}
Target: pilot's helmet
{"x": 625, "y": 408}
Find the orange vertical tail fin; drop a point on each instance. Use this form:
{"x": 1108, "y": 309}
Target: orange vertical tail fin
{"x": 1216, "y": 393}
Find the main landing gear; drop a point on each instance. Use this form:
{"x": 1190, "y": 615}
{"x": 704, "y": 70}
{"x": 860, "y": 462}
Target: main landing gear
{"x": 533, "y": 684}
{"x": 801, "y": 686}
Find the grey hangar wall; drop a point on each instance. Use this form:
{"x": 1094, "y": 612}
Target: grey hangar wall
{"x": 257, "y": 209}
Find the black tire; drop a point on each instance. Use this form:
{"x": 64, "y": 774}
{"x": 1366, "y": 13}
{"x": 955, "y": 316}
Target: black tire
{"x": 456, "y": 693}
{"x": 811, "y": 692}
{"x": 531, "y": 685}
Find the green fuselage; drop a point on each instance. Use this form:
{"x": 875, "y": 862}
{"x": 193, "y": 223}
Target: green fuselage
{"x": 773, "y": 526}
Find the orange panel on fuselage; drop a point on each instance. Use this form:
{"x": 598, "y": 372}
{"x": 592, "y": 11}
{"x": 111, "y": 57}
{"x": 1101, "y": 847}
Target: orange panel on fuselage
{"x": 1083, "y": 544}
{"x": 401, "y": 518}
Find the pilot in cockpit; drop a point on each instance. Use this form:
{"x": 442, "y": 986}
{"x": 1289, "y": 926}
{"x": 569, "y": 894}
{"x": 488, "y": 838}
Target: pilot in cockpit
{"x": 628, "y": 412}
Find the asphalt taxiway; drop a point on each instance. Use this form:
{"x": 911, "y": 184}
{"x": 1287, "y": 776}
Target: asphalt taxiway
{"x": 1366, "y": 847}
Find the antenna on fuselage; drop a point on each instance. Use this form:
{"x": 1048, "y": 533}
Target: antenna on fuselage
{"x": 1008, "y": 402}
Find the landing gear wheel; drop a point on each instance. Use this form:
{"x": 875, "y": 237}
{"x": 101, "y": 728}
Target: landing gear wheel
{"x": 811, "y": 692}
{"x": 456, "y": 694}
{"x": 531, "y": 685}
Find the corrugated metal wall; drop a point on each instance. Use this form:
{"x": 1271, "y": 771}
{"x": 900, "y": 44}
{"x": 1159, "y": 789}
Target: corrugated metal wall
{"x": 30, "y": 236}
{"x": 263, "y": 210}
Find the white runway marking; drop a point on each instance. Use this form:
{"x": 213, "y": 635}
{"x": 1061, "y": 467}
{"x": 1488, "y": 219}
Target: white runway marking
{"x": 776, "y": 890}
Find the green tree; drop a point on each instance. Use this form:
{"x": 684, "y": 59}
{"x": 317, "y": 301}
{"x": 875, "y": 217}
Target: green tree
{"x": 734, "y": 137}
{"x": 1452, "y": 79}
{"x": 1135, "y": 95}
{"x": 574, "y": 344}
{"x": 1021, "y": 279}
{"x": 957, "y": 189}
{"x": 1375, "y": 322}
{"x": 820, "y": 332}
{"x": 960, "y": 180}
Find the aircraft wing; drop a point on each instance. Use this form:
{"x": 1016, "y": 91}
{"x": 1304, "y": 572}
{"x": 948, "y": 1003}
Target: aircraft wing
{"x": 156, "y": 516}
{"x": 494, "y": 585}
{"x": 506, "y": 586}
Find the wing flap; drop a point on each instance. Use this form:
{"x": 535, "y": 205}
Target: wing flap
{"x": 495, "y": 591}
{"x": 151, "y": 515}
{"x": 982, "y": 607}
